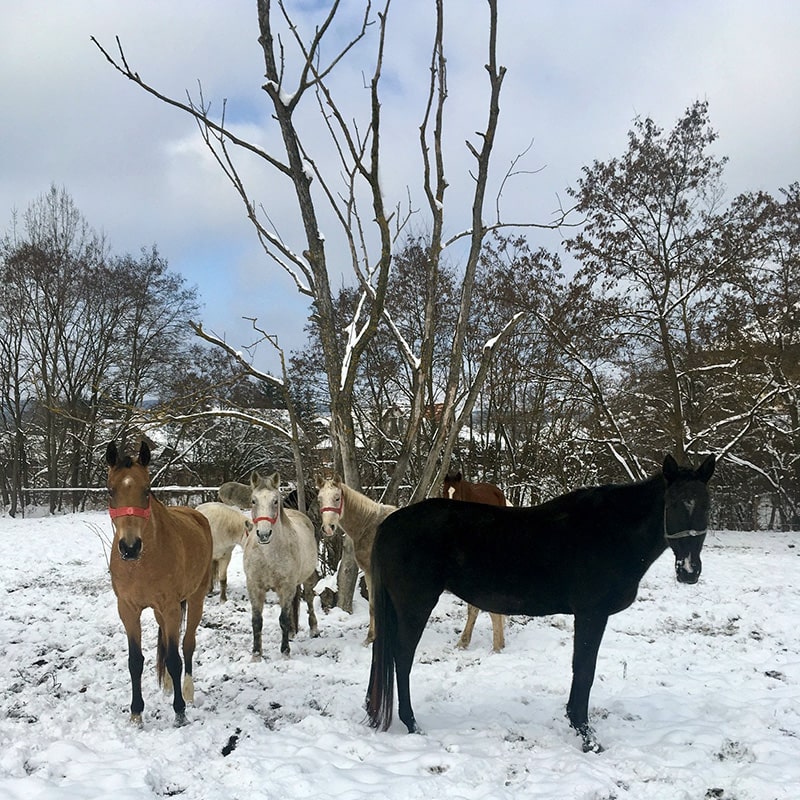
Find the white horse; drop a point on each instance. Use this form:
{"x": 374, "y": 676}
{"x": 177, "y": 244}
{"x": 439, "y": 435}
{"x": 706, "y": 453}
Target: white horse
{"x": 280, "y": 554}
{"x": 228, "y": 528}
{"x": 358, "y": 516}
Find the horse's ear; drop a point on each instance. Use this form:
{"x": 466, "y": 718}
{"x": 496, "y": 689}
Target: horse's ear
{"x": 274, "y": 481}
{"x": 144, "y": 454}
{"x": 320, "y": 481}
{"x": 459, "y": 476}
{"x": 706, "y": 469}
{"x": 255, "y": 479}
{"x": 337, "y": 478}
{"x": 111, "y": 454}
{"x": 670, "y": 468}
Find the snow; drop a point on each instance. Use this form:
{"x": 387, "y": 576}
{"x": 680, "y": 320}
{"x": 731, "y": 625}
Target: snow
{"x": 696, "y": 694}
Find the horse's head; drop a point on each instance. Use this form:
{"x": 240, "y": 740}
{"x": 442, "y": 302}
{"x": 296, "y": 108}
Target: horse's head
{"x": 331, "y": 503}
{"x": 128, "y": 499}
{"x": 267, "y": 505}
{"x": 686, "y": 505}
{"x": 451, "y": 488}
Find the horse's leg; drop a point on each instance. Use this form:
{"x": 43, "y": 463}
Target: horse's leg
{"x": 212, "y": 579}
{"x": 295, "y": 619}
{"x": 412, "y": 617}
{"x": 371, "y": 631}
{"x": 131, "y": 620}
{"x": 257, "y": 597}
{"x": 164, "y": 678}
{"x": 289, "y": 601}
{"x": 222, "y": 570}
{"x": 498, "y": 634}
{"x": 589, "y": 629}
{"x": 466, "y": 636}
{"x": 194, "y": 612}
{"x": 169, "y": 623}
{"x": 308, "y": 595}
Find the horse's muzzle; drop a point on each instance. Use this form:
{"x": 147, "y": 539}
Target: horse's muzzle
{"x": 130, "y": 552}
{"x": 264, "y": 536}
{"x": 688, "y": 569}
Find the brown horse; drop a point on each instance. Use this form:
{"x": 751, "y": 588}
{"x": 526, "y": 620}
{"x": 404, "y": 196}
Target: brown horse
{"x": 456, "y": 488}
{"x": 160, "y": 559}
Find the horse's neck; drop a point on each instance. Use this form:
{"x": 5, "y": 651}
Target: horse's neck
{"x": 360, "y": 514}
{"x": 651, "y": 509}
{"x": 158, "y": 518}
{"x": 282, "y": 524}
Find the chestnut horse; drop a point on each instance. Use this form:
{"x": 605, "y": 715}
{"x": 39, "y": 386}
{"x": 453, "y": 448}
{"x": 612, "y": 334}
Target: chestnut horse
{"x": 583, "y": 553}
{"x": 456, "y": 488}
{"x": 160, "y": 559}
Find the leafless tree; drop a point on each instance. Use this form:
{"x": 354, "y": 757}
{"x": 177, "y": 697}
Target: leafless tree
{"x": 344, "y": 187}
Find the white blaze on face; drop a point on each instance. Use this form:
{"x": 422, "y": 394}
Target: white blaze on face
{"x": 451, "y": 491}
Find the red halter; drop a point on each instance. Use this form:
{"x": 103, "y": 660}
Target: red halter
{"x": 334, "y": 508}
{"x": 130, "y": 511}
{"x": 271, "y": 520}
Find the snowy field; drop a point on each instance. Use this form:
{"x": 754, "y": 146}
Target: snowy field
{"x": 697, "y": 693}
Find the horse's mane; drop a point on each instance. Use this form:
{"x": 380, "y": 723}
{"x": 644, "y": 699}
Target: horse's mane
{"x": 628, "y": 496}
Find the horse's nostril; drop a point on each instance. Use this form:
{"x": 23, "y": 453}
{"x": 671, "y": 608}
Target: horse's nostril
{"x": 130, "y": 552}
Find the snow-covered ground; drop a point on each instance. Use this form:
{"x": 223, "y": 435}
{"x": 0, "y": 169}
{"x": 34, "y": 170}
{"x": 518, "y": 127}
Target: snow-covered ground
{"x": 697, "y": 693}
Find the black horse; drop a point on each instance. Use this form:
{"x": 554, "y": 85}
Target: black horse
{"x": 583, "y": 553}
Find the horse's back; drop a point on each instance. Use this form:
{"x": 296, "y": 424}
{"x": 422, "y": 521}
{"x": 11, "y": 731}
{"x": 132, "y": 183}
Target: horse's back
{"x": 237, "y": 494}
{"x": 489, "y": 493}
{"x": 534, "y": 561}
{"x": 228, "y": 525}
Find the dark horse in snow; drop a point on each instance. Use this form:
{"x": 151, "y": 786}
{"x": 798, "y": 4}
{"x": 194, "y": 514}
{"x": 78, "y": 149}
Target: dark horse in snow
{"x": 583, "y": 553}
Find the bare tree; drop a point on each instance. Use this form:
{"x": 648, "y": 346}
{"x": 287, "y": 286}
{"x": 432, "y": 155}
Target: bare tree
{"x": 343, "y": 188}
{"x": 342, "y": 182}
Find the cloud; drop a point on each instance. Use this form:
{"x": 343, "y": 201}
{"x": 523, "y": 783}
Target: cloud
{"x": 578, "y": 73}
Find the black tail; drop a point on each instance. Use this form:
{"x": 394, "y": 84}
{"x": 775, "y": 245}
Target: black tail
{"x": 380, "y": 692}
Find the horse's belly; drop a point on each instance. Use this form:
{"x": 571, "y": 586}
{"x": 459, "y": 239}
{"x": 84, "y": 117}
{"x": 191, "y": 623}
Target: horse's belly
{"x": 502, "y": 601}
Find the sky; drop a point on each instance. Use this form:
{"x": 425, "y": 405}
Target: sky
{"x": 695, "y": 696}
{"x": 578, "y": 73}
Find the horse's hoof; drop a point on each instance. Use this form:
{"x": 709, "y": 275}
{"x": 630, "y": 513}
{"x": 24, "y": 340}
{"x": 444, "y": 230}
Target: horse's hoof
{"x": 414, "y": 728}
{"x": 589, "y": 740}
{"x": 180, "y": 720}
{"x": 255, "y": 657}
{"x": 136, "y": 720}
